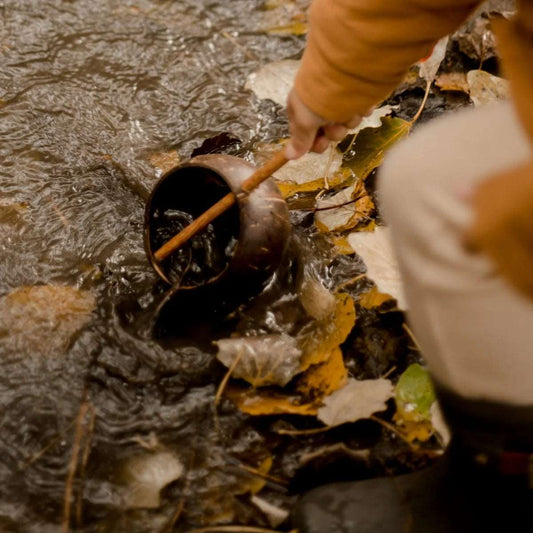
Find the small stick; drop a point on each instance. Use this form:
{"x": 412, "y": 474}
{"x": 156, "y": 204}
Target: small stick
{"x": 260, "y": 175}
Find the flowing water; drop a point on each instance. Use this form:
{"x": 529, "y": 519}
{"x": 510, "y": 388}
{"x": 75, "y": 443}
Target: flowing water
{"x": 89, "y": 91}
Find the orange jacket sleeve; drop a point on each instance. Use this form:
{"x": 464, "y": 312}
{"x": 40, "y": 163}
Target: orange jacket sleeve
{"x": 359, "y": 50}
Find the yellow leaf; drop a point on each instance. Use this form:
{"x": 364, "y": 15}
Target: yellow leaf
{"x": 295, "y": 27}
{"x": 321, "y": 380}
{"x": 318, "y": 340}
{"x": 420, "y": 431}
{"x": 255, "y": 402}
{"x": 373, "y": 298}
{"x": 371, "y": 145}
{"x": 340, "y": 178}
{"x": 255, "y": 484}
{"x": 342, "y": 246}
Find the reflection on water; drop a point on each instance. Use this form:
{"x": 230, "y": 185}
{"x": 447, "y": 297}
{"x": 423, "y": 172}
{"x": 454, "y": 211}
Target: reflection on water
{"x": 89, "y": 90}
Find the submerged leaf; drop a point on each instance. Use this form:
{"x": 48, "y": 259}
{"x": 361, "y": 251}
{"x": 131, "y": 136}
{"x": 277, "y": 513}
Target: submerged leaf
{"x": 316, "y": 299}
{"x": 146, "y": 475}
{"x": 371, "y": 144}
{"x": 355, "y": 401}
{"x": 274, "y": 81}
{"x": 263, "y": 359}
{"x": 164, "y": 161}
{"x": 43, "y": 319}
{"x": 376, "y": 250}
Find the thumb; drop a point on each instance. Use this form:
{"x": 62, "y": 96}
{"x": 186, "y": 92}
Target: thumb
{"x": 301, "y": 141}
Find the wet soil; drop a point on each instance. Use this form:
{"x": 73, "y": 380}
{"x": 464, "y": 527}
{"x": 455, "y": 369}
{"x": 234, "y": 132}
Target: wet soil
{"x": 88, "y": 91}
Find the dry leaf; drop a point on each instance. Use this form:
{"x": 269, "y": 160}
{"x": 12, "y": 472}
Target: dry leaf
{"x": 430, "y": 66}
{"x": 347, "y": 215}
{"x": 371, "y": 145}
{"x": 475, "y": 39}
{"x": 43, "y": 319}
{"x": 373, "y": 298}
{"x": 257, "y": 402}
{"x": 376, "y": 250}
{"x": 452, "y": 81}
{"x": 486, "y": 88}
{"x": 145, "y": 475}
{"x": 318, "y": 339}
{"x": 321, "y": 380}
{"x": 263, "y": 359}
{"x": 355, "y": 401}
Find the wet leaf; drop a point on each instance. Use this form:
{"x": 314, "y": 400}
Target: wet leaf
{"x": 486, "y": 88}
{"x": 285, "y": 17}
{"x": 373, "y": 298}
{"x": 320, "y": 338}
{"x": 414, "y": 394}
{"x": 430, "y": 66}
{"x": 452, "y": 81}
{"x": 376, "y": 250}
{"x": 43, "y": 319}
{"x": 439, "y": 424}
{"x": 257, "y": 402}
{"x": 316, "y": 299}
{"x": 146, "y": 475}
{"x": 349, "y": 213}
{"x": 343, "y": 176}
{"x": 164, "y": 161}
{"x": 273, "y": 81}
{"x": 254, "y": 483}
{"x": 321, "y": 380}
{"x": 355, "y": 401}
{"x": 295, "y": 27}
{"x": 263, "y": 359}
{"x": 342, "y": 246}
{"x": 374, "y": 119}
{"x": 371, "y": 145}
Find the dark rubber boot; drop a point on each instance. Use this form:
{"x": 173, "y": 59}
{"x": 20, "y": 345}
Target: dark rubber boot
{"x": 481, "y": 484}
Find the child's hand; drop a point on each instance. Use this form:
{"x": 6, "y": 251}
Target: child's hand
{"x": 309, "y": 131}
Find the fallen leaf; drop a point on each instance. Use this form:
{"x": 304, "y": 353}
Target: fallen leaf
{"x": 274, "y": 514}
{"x": 430, "y": 66}
{"x": 343, "y": 176}
{"x": 373, "y": 298}
{"x": 348, "y": 214}
{"x": 164, "y": 161}
{"x": 295, "y": 27}
{"x": 414, "y": 394}
{"x": 439, "y": 424}
{"x": 374, "y": 119}
{"x": 452, "y": 81}
{"x": 254, "y": 484}
{"x": 263, "y": 359}
{"x": 342, "y": 246}
{"x": 486, "y": 88}
{"x": 475, "y": 39}
{"x": 144, "y": 476}
{"x": 285, "y": 17}
{"x": 273, "y": 81}
{"x": 376, "y": 250}
{"x": 371, "y": 145}
{"x": 318, "y": 339}
{"x": 355, "y": 401}
{"x": 257, "y": 402}
{"x": 43, "y": 319}
{"x": 316, "y": 299}
{"x": 323, "y": 379}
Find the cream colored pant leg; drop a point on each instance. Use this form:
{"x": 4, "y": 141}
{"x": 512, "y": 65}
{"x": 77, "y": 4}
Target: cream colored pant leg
{"x": 476, "y": 331}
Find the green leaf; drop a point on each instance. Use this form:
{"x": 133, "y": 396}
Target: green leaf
{"x": 371, "y": 144}
{"x": 414, "y": 394}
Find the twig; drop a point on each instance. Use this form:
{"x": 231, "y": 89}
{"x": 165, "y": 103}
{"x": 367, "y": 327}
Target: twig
{"x": 236, "y": 529}
{"x": 246, "y": 52}
{"x": 328, "y": 166}
{"x": 297, "y": 432}
{"x": 78, "y": 436}
{"x": 394, "y": 430}
{"x": 51, "y": 444}
{"x": 86, "y": 452}
{"x": 423, "y": 104}
{"x": 389, "y": 372}
{"x": 263, "y": 475}
{"x": 225, "y": 380}
{"x": 407, "y": 329}
{"x": 349, "y": 282}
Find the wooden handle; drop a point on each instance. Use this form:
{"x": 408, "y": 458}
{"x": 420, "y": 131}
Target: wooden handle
{"x": 248, "y": 185}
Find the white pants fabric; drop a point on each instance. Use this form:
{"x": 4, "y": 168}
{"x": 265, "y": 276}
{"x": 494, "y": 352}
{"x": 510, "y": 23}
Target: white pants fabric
{"x": 475, "y": 330}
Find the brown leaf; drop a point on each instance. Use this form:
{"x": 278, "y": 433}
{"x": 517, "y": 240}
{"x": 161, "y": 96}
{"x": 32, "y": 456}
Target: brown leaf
{"x": 452, "y": 81}
{"x": 486, "y": 88}
{"x": 165, "y": 161}
{"x": 43, "y": 319}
